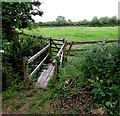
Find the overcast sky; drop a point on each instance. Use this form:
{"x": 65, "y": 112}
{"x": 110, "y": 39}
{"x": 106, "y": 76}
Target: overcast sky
{"x": 77, "y": 10}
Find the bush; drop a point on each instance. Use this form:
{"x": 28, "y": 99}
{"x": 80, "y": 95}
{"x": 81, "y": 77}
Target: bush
{"x": 101, "y": 66}
{"x": 13, "y": 57}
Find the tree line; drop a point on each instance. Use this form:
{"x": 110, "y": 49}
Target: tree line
{"x": 103, "y": 21}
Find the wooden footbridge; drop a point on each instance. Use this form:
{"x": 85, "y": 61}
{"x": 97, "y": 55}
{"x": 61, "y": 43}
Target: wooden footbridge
{"x": 61, "y": 50}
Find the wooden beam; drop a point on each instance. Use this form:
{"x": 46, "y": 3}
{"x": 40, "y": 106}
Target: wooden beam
{"x": 58, "y": 54}
{"x": 76, "y": 50}
{"x": 69, "y": 49}
{"x": 38, "y": 67}
{"x": 61, "y": 59}
{"x": 38, "y": 54}
{"x": 61, "y": 40}
{"x": 25, "y": 70}
{"x": 55, "y": 47}
{"x": 55, "y": 70}
{"x": 59, "y": 43}
{"x": 54, "y": 51}
{"x": 111, "y": 41}
{"x": 91, "y": 42}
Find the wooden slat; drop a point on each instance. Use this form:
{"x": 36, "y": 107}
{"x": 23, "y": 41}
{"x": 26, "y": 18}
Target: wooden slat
{"x": 60, "y": 50}
{"x": 57, "y": 40}
{"x": 54, "y": 51}
{"x": 110, "y": 41}
{"x": 38, "y": 54}
{"x": 92, "y": 42}
{"x": 37, "y": 68}
{"x": 59, "y": 43}
{"x": 55, "y": 47}
{"x": 75, "y": 50}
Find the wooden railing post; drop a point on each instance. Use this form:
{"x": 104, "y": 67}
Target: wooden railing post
{"x": 50, "y": 44}
{"x": 104, "y": 41}
{"x": 55, "y": 70}
{"x": 25, "y": 69}
{"x": 64, "y": 52}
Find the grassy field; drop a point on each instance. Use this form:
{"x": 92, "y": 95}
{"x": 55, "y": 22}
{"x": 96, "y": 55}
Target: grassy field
{"x": 76, "y": 33}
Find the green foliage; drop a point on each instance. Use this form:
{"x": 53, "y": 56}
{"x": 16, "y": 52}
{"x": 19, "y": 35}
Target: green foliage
{"x": 101, "y": 66}
{"x": 17, "y": 15}
{"x": 13, "y": 58}
{"x": 61, "y": 21}
{"x": 103, "y": 21}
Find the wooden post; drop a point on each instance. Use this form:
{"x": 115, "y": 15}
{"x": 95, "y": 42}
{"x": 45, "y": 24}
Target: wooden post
{"x": 64, "y": 53}
{"x": 25, "y": 69}
{"x": 69, "y": 48}
{"x": 50, "y": 44}
{"x": 104, "y": 41}
{"x": 55, "y": 70}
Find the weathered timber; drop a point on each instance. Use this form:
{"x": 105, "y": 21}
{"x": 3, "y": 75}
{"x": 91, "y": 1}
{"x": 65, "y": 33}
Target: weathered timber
{"x": 55, "y": 47}
{"x": 45, "y": 76}
{"x": 69, "y": 48}
{"x": 58, "y": 54}
{"x": 92, "y": 42}
{"x": 75, "y": 50}
{"x": 38, "y": 54}
{"x": 64, "y": 52}
{"x": 37, "y": 68}
{"x": 61, "y": 59}
{"x": 55, "y": 70}
{"x": 58, "y": 40}
{"x": 25, "y": 70}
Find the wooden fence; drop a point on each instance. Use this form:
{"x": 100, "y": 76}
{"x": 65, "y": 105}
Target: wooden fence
{"x": 62, "y": 53}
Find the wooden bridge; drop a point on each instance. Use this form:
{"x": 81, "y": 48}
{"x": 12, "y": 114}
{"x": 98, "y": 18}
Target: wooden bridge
{"x": 62, "y": 48}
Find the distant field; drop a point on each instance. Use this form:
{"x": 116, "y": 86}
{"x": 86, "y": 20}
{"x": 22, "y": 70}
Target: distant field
{"x": 77, "y": 33}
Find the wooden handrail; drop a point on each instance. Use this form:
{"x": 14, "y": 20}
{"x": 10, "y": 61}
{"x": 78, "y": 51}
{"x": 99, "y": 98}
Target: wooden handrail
{"x": 37, "y": 68}
{"x": 58, "y": 54}
{"x": 38, "y": 54}
{"x": 61, "y": 59}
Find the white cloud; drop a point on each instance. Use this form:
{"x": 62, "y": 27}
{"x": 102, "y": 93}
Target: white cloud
{"x": 77, "y": 10}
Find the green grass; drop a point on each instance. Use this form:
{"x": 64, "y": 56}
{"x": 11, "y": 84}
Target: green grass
{"x": 76, "y": 33}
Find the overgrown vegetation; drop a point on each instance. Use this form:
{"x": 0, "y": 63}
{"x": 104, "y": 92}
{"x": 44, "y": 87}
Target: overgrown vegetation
{"x": 101, "y": 66}
{"x": 14, "y": 52}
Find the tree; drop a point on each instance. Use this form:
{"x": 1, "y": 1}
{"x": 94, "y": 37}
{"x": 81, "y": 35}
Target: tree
{"x": 84, "y": 22}
{"x": 113, "y": 20}
{"x": 17, "y": 15}
{"x": 104, "y": 20}
{"x": 95, "y": 21}
{"x": 61, "y": 20}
